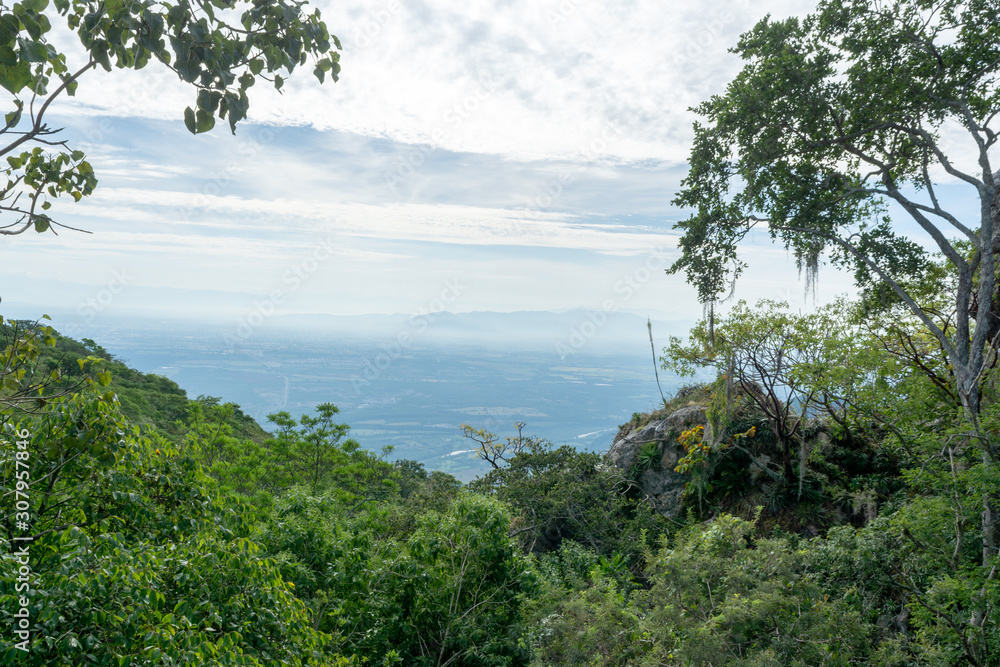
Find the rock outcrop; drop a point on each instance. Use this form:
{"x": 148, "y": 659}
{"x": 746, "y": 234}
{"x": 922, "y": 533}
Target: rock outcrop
{"x": 662, "y": 486}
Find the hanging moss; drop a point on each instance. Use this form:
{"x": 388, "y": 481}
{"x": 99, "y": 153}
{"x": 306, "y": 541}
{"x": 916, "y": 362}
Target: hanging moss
{"x": 807, "y": 260}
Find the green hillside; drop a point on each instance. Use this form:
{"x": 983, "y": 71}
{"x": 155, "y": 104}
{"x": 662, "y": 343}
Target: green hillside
{"x": 165, "y": 530}
{"x": 145, "y": 399}
{"x": 830, "y": 498}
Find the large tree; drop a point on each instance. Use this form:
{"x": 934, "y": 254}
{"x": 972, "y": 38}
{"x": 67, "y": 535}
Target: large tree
{"x": 219, "y": 47}
{"x": 833, "y": 118}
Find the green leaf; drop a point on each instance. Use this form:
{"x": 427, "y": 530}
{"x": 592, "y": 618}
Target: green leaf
{"x": 9, "y": 27}
{"x": 205, "y": 121}
{"x": 7, "y": 56}
{"x": 208, "y": 100}
{"x": 189, "y": 120}
{"x": 36, "y": 6}
{"x": 15, "y": 78}
{"x": 35, "y": 52}
{"x": 99, "y": 51}
{"x": 43, "y": 23}
{"x": 31, "y": 26}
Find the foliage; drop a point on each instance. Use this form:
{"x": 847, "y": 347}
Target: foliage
{"x": 145, "y": 399}
{"x": 26, "y": 381}
{"x": 648, "y": 456}
{"x": 759, "y": 350}
{"x": 418, "y": 492}
{"x": 146, "y": 548}
{"x": 696, "y": 449}
{"x": 593, "y": 626}
{"x": 464, "y": 602}
{"x": 560, "y": 493}
{"x": 725, "y": 596}
{"x": 241, "y": 465}
{"x": 220, "y": 48}
{"x": 497, "y": 453}
{"x": 133, "y": 560}
{"x": 446, "y": 591}
{"x": 718, "y": 594}
{"x": 832, "y": 118}
{"x": 312, "y": 453}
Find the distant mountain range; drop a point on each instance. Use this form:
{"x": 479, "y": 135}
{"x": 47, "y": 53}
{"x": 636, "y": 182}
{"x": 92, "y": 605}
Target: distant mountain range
{"x": 565, "y": 331}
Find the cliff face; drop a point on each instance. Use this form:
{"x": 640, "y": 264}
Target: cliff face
{"x": 662, "y": 486}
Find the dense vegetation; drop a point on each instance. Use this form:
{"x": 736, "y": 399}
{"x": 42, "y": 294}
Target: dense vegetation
{"x": 841, "y": 472}
{"x": 175, "y": 531}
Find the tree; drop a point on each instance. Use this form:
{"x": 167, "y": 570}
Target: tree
{"x": 220, "y": 47}
{"x": 238, "y": 463}
{"x": 834, "y": 117}
{"x": 559, "y": 493}
{"x": 723, "y": 594}
{"x": 757, "y": 351}
{"x": 464, "y": 586}
{"x": 497, "y": 453}
{"x": 24, "y": 384}
{"x": 317, "y": 456}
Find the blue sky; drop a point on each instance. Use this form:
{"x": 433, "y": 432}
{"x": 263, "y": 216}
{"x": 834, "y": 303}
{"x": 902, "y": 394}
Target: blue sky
{"x": 527, "y": 149}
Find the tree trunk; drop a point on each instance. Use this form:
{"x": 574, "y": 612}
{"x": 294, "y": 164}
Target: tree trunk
{"x": 985, "y": 316}
{"x": 786, "y": 461}
{"x": 991, "y": 518}
{"x": 991, "y": 533}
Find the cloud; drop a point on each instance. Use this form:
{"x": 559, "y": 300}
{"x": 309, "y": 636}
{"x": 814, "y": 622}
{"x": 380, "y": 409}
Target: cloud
{"x": 245, "y": 223}
{"x": 526, "y": 79}
{"x": 528, "y": 147}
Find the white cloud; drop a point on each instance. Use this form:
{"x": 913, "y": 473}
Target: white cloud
{"x": 434, "y": 223}
{"x": 484, "y": 108}
{"x": 521, "y": 78}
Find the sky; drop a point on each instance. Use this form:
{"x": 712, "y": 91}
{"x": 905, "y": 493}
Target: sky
{"x": 499, "y": 155}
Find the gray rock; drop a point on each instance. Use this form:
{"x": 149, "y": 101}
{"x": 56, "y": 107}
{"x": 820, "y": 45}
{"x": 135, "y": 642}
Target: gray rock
{"x": 663, "y": 487}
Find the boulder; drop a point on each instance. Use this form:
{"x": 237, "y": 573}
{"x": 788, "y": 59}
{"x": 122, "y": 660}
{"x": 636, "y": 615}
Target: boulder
{"x": 663, "y": 487}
